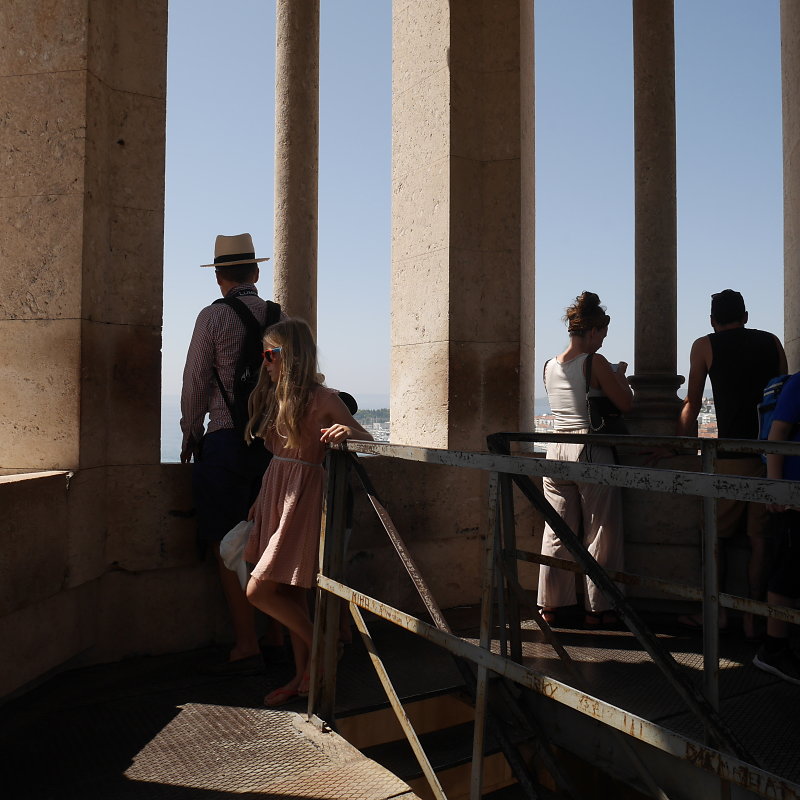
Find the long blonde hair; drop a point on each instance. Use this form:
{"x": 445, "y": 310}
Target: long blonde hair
{"x": 283, "y": 404}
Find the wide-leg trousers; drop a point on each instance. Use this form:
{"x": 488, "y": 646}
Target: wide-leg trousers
{"x": 589, "y": 509}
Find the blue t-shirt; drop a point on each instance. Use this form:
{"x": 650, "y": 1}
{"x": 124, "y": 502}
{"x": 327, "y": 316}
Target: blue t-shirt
{"x": 787, "y": 409}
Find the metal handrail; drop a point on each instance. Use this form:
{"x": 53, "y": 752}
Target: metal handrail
{"x": 684, "y": 482}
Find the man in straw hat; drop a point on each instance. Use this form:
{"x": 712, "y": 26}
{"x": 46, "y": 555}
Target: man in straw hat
{"x": 227, "y": 473}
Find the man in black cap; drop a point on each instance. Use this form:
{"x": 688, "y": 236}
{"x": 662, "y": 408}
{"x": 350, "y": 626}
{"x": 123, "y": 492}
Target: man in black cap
{"x": 226, "y": 474}
{"x": 740, "y": 361}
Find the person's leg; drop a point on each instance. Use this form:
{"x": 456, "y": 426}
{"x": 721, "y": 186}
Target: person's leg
{"x": 756, "y": 579}
{"x": 288, "y": 605}
{"x": 220, "y": 488}
{"x": 245, "y": 641}
{"x": 557, "y": 586}
{"x": 775, "y": 655}
{"x": 603, "y": 533}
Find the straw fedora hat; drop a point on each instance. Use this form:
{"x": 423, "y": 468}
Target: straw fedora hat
{"x": 231, "y": 251}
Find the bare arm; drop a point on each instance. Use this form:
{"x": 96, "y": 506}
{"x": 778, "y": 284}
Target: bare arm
{"x": 340, "y": 423}
{"x": 614, "y": 385}
{"x": 699, "y": 364}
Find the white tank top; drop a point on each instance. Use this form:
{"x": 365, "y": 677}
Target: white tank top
{"x": 566, "y": 391}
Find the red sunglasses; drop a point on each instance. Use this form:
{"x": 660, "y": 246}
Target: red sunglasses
{"x": 270, "y": 353}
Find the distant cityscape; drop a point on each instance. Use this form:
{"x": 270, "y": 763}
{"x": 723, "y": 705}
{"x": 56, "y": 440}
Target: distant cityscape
{"x": 378, "y": 422}
{"x": 706, "y": 420}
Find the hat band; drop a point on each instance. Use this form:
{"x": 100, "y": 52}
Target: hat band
{"x": 235, "y": 257}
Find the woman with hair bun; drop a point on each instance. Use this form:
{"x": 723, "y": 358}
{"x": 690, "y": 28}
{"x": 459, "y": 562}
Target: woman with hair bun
{"x": 595, "y": 508}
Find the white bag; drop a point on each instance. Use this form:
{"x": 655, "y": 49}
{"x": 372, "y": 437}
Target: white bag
{"x": 231, "y": 550}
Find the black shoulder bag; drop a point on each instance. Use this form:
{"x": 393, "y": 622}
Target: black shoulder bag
{"x": 604, "y": 416}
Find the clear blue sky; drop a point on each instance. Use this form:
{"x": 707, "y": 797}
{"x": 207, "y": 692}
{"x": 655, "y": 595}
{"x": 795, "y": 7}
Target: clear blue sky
{"x": 220, "y": 138}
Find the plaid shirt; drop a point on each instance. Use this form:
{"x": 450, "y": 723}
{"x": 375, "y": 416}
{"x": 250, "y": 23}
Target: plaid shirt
{"x": 216, "y": 342}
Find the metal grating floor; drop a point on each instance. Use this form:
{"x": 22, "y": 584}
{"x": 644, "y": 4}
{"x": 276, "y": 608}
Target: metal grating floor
{"x": 760, "y": 709}
{"x": 162, "y": 728}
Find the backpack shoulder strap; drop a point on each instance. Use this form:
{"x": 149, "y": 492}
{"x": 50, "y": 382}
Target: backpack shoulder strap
{"x": 253, "y": 331}
{"x": 245, "y": 315}
{"x": 588, "y": 371}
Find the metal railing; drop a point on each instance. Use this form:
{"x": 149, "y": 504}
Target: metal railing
{"x": 730, "y": 762}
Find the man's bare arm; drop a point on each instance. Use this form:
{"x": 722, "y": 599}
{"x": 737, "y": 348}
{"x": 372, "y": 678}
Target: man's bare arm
{"x": 699, "y": 364}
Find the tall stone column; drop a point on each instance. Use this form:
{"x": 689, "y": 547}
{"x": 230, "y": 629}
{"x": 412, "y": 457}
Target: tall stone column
{"x": 655, "y": 347}
{"x": 296, "y": 157}
{"x": 81, "y": 233}
{"x": 457, "y": 199}
{"x": 528, "y": 378}
{"x": 790, "y": 74}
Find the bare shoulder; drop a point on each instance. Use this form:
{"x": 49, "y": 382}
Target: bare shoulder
{"x": 701, "y": 350}
{"x": 328, "y": 399}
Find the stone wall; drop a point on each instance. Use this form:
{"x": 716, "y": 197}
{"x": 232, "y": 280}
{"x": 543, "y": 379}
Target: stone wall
{"x": 101, "y": 564}
{"x": 97, "y": 566}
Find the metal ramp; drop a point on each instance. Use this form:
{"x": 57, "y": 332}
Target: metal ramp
{"x": 514, "y": 688}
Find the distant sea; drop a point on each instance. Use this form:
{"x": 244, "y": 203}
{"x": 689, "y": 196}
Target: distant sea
{"x": 171, "y": 422}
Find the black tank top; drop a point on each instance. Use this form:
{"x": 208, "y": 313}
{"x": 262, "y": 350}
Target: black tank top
{"x": 743, "y": 360}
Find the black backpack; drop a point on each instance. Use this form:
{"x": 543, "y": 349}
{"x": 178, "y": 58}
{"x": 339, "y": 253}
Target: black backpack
{"x": 248, "y": 365}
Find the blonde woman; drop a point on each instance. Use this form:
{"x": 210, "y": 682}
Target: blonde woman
{"x": 297, "y": 417}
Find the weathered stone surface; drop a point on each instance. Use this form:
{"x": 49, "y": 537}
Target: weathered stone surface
{"x": 296, "y": 158}
{"x": 123, "y": 277}
{"x": 418, "y": 314}
{"x": 475, "y": 297}
{"x": 467, "y": 203}
{"x": 45, "y": 635}
{"x": 33, "y": 539}
{"x": 40, "y": 373}
{"x": 120, "y": 408}
{"x": 159, "y": 611}
{"x": 420, "y": 377}
{"x": 420, "y": 43}
{"x": 127, "y": 45}
{"x": 790, "y": 80}
{"x": 38, "y": 236}
{"x": 420, "y": 209}
{"x": 440, "y": 513}
{"x": 88, "y": 502}
{"x": 144, "y": 530}
{"x": 420, "y": 125}
{"x": 53, "y": 39}
{"x": 42, "y": 134}
{"x": 484, "y": 392}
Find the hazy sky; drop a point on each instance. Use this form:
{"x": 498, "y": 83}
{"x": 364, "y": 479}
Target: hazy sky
{"x": 220, "y": 111}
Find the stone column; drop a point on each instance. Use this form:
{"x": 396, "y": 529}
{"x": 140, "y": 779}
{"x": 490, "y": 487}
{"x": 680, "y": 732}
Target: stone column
{"x": 655, "y": 380}
{"x": 81, "y": 233}
{"x": 456, "y": 221}
{"x": 790, "y": 73}
{"x": 528, "y": 379}
{"x": 296, "y": 157}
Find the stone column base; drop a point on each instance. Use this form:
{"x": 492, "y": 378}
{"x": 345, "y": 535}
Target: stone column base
{"x": 656, "y": 405}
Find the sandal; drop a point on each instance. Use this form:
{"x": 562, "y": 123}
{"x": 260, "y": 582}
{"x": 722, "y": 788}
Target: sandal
{"x": 605, "y": 620}
{"x": 280, "y": 697}
{"x": 549, "y": 615}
